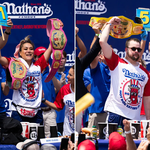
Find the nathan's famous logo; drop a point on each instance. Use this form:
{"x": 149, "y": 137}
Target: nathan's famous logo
{"x": 71, "y": 118}
{"x": 89, "y": 7}
{"x": 30, "y": 88}
{"x": 70, "y": 59}
{"x": 131, "y": 91}
{"x": 26, "y": 11}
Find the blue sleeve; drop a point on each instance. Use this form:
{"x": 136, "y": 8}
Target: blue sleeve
{"x": 3, "y": 74}
{"x": 87, "y": 77}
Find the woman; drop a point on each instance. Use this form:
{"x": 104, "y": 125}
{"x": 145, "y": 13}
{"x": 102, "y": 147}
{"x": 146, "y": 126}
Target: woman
{"x": 65, "y": 97}
{"x": 27, "y": 99}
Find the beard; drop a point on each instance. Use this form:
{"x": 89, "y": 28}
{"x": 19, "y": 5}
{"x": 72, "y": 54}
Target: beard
{"x": 134, "y": 57}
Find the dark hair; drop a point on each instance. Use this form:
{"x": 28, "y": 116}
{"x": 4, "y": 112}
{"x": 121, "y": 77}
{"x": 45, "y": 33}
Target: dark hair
{"x": 72, "y": 67}
{"x": 131, "y": 39}
{"x": 65, "y": 54}
{"x": 26, "y": 40}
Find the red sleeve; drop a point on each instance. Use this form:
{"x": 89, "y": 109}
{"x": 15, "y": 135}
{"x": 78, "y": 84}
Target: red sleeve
{"x": 147, "y": 86}
{"x": 142, "y": 109}
{"x": 8, "y": 61}
{"x": 59, "y": 99}
{"x": 113, "y": 61}
{"x": 41, "y": 62}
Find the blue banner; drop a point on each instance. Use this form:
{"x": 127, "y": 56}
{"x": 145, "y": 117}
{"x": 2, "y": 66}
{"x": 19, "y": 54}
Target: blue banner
{"x": 85, "y": 9}
{"x": 30, "y": 18}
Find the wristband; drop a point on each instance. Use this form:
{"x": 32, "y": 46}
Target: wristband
{"x": 127, "y": 132}
{"x": 58, "y": 42}
{"x": 43, "y": 100}
{"x": 8, "y": 33}
{"x": 108, "y": 23}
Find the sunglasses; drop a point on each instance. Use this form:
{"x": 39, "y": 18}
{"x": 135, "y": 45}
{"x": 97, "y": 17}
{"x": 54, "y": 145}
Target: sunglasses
{"x": 135, "y": 48}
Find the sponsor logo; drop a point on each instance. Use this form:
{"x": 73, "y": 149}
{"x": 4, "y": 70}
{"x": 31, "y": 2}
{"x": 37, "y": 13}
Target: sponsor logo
{"x": 90, "y": 7}
{"x": 70, "y": 59}
{"x": 28, "y": 11}
{"x": 145, "y": 56}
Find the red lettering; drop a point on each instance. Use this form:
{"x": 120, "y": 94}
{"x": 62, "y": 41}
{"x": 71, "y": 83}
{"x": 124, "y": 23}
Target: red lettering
{"x": 25, "y": 112}
{"x": 32, "y": 4}
{"x": 82, "y": 22}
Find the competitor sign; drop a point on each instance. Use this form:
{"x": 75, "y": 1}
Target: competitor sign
{"x": 3, "y": 16}
{"x": 144, "y": 14}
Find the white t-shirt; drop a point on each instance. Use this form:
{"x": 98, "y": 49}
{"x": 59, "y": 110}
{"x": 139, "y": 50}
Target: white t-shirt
{"x": 66, "y": 97}
{"x": 30, "y": 93}
{"x": 128, "y": 86}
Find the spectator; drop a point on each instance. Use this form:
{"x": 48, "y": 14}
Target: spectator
{"x": 87, "y": 145}
{"x": 129, "y": 140}
{"x": 4, "y": 87}
{"x": 49, "y": 115}
{"x": 116, "y": 142}
{"x": 3, "y": 92}
{"x": 129, "y": 80}
{"x": 142, "y": 62}
{"x": 61, "y": 75}
{"x": 83, "y": 116}
{"x": 100, "y": 86}
{"x": 65, "y": 97}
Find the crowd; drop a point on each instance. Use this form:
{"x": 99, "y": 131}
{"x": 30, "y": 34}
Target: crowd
{"x": 120, "y": 86}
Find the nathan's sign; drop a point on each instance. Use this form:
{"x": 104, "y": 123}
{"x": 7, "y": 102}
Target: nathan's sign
{"x": 27, "y": 11}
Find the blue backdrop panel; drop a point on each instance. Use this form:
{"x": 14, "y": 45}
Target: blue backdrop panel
{"x": 30, "y": 18}
{"x": 85, "y": 9}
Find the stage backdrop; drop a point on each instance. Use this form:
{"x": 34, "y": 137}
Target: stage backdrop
{"x": 30, "y": 18}
{"x": 85, "y": 9}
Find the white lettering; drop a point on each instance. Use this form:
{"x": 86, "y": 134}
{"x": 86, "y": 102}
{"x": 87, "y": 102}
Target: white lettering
{"x": 17, "y": 12}
{"x": 145, "y": 56}
{"x": 90, "y": 8}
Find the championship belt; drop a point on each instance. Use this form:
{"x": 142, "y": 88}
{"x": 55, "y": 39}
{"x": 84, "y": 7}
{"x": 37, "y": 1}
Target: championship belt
{"x": 125, "y": 29}
{"x": 58, "y": 42}
{"x": 15, "y": 74}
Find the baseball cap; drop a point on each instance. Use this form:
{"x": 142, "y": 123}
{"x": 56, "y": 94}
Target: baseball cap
{"x": 33, "y": 146}
{"x": 117, "y": 141}
{"x": 86, "y": 145}
{"x": 39, "y": 50}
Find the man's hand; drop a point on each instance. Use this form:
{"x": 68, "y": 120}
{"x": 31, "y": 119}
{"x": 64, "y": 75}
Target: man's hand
{"x": 71, "y": 146}
{"x": 126, "y": 124}
{"x": 10, "y": 23}
{"x": 148, "y": 134}
{"x": 96, "y": 27}
{"x": 76, "y": 30}
{"x": 143, "y": 145}
{"x": 114, "y": 21}
{"x": 63, "y": 79}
